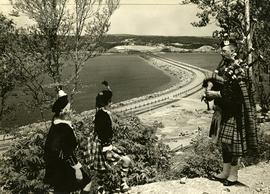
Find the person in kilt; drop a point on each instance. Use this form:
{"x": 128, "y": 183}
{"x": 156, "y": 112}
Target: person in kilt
{"x": 101, "y": 155}
{"x": 62, "y": 169}
{"x": 233, "y": 123}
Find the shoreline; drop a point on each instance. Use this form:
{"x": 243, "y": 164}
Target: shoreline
{"x": 175, "y": 79}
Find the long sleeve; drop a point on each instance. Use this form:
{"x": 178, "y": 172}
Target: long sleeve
{"x": 60, "y": 145}
{"x": 68, "y": 144}
{"x": 103, "y": 127}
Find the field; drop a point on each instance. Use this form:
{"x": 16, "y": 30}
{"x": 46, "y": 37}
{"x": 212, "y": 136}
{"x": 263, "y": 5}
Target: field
{"x": 129, "y": 75}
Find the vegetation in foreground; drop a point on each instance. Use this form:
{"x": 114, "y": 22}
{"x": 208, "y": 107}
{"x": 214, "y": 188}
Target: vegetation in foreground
{"x": 22, "y": 166}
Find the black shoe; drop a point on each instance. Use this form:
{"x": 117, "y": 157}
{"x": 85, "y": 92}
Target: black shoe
{"x": 214, "y": 178}
{"x": 84, "y": 192}
{"x": 100, "y": 190}
{"x": 229, "y": 183}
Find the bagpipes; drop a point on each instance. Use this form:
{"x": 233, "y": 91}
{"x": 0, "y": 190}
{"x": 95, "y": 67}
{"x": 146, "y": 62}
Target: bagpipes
{"x": 208, "y": 86}
{"x": 228, "y": 72}
{"x": 214, "y": 83}
{"x": 237, "y": 70}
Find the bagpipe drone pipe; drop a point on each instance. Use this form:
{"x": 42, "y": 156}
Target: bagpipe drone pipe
{"x": 228, "y": 72}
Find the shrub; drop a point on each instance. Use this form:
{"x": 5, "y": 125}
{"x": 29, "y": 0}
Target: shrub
{"x": 204, "y": 158}
{"x": 201, "y": 159}
{"x": 22, "y": 166}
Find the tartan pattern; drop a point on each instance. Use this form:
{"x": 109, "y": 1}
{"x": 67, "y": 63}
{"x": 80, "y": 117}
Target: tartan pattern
{"x": 235, "y": 135}
{"x": 248, "y": 92}
{"x": 93, "y": 154}
{"x": 241, "y": 132}
{"x": 96, "y": 158}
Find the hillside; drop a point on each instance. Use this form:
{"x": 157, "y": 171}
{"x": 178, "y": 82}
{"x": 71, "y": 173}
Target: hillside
{"x": 183, "y": 42}
{"x": 178, "y": 125}
{"x": 160, "y": 39}
{"x": 253, "y": 180}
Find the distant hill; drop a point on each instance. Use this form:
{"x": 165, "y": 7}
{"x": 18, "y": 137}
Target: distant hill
{"x": 167, "y": 40}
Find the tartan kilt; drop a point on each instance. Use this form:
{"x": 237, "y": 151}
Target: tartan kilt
{"x": 234, "y": 134}
{"x": 96, "y": 158}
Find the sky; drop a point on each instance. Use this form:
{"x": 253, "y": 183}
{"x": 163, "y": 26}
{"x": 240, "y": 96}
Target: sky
{"x": 145, "y": 17}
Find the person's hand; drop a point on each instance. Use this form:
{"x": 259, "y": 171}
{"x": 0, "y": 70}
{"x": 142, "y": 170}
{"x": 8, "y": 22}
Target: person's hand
{"x": 78, "y": 174}
{"x": 210, "y": 95}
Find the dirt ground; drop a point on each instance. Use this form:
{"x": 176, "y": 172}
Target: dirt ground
{"x": 180, "y": 120}
{"x": 253, "y": 180}
{"x": 178, "y": 123}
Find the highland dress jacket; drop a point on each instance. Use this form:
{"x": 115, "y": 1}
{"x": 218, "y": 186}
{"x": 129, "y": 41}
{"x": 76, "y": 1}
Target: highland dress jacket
{"x": 60, "y": 156}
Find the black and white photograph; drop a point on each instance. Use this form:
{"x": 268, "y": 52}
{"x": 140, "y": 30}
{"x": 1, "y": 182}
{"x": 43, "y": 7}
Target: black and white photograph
{"x": 134, "y": 96}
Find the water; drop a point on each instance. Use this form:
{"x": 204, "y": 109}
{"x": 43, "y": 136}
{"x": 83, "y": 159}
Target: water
{"x": 207, "y": 61}
{"x": 129, "y": 77}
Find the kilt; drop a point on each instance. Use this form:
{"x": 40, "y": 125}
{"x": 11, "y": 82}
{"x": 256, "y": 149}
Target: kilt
{"x": 96, "y": 158}
{"x": 233, "y": 133}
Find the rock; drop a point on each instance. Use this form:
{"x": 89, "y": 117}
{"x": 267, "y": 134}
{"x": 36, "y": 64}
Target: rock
{"x": 227, "y": 190}
{"x": 183, "y": 180}
{"x": 258, "y": 189}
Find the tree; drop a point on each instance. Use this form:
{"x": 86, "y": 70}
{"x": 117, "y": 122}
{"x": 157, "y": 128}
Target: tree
{"x": 51, "y": 23}
{"x": 8, "y": 70}
{"x": 91, "y": 22}
{"x": 230, "y": 16}
{"x": 68, "y": 28}
{"x": 59, "y": 32}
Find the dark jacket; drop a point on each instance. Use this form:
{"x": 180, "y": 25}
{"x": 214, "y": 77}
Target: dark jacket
{"x": 60, "y": 156}
{"x": 103, "y": 127}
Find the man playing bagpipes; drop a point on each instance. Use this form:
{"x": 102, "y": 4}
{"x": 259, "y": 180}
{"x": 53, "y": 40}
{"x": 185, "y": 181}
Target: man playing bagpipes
{"x": 233, "y": 123}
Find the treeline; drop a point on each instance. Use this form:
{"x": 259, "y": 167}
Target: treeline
{"x": 162, "y": 39}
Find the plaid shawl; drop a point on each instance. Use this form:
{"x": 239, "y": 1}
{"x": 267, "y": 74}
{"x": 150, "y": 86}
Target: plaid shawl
{"x": 248, "y": 93}
{"x": 240, "y": 131}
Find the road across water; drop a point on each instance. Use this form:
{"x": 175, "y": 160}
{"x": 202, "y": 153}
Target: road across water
{"x": 170, "y": 95}
{"x": 155, "y": 100}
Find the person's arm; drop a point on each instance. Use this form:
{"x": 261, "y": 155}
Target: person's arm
{"x": 69, "y": 145}
{"x": 103, "y": 125}
{"x": 210, "y": 94}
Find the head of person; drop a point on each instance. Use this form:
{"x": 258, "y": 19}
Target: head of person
{"x": 105, "y": 85}
{"x": 228, "y": 49}
{"x": 61, "y": 107}
{"x": 104, "y": 98}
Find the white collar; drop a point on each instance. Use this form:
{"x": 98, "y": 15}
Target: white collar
{"x": 105, "y": 110}
{"x": 58, "y": 121}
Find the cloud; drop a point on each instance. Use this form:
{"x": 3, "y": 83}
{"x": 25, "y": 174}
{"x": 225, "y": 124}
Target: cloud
{"x": 145, "y": 17}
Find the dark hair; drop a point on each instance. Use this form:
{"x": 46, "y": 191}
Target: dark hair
{"x": 103, "y": 98}
{"x": 105, "y": 83}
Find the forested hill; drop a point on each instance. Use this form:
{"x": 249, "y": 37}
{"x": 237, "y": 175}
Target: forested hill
{"x": 143, "y": 39}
